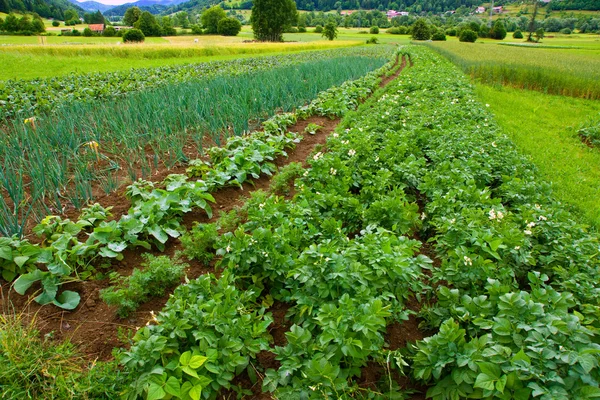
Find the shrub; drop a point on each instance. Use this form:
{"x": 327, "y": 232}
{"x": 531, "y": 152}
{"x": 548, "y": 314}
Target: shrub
{"x": 198, "y": 243}
{"x": 128, "y": 292}
{"x": 197, "y": 29}
{"x": 451, "y": 32}
{"x": 55, "y": 23}
{"x": 518, "y": 35}
{"x": 484, "y": 31}
{"x": 374, "y": 30}
{"x": 330, "y": 31}
{"x": 468, "y": 36}
{"x": 372, "y": 40}
{"x": 291, "y": 29}
{"x": 75, "y": 32}
{"x": 302, "y": 29}
{"x": 438, "y": 35}
{"x": 498, "y": 31}
{"x": 566, "y": 31}
{"x": 109, "y": 31}
{"x": 87, "y": 32}
{"x": 421, "y": 30}
{"x": 318, "y": 29}
{"x": 133, "y": 36}
{"x": 229, "y": 26}
{"x": 398, "y": 30}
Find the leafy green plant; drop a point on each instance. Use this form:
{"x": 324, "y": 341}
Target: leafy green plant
{"x": 206, "y": 335}
{"x": 590, "y": 131}
{"x": 280, "y": 183}
{"x": 312, "y": 128}
{"x": 522, "y": 344}
{"x": 199, "y": 242}
{"x": 128, "y": 292}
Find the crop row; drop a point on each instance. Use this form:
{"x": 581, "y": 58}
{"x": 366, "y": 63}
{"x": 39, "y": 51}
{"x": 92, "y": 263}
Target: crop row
{"x": 157, "y": 212}
{"x": 25, "y": 98}
{"x": 66, "y": 158}
{"x": 513, "y": 296}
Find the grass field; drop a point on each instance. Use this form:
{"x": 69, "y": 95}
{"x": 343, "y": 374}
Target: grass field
{"x": 545, "y": 128}
{"x": 28, "y": 62}
{"x": 572, "y": 71}
{"x": 26, "y": 58}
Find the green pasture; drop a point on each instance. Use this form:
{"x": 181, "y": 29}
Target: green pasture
{"x": 545, "y": 128}
{"x": 560, "y": 65}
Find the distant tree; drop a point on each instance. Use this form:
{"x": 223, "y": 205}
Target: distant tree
{"x": 134, "y": 36}
{"x": 532, "y": 24}
{"x": 270, "y": 18}
{"x": 98, "y": 18}
{"x": 498, "y": 31}
{"x": 197, "y": 29}
{"x": 166, "y": 24}
{"x": 518, "y": 34}
{"x": 38, "y": 25}
{"x": 182, "y": 19}
{"x": 131, "y": 16}
{"x": 484, "y": 31}
{"x": 229, "y": 26}
{"x": 93, "y": 18}
{"x": 55, "y": 23}
{"x": 421, "y": 30}
{"x": 4, "y": 6}
{"x": 468, "y": 35}
{"x": 374, "y": 30}
{"x": 438, "y": 35}
{"x": 109, "y": 31}
{"x": 539, "y": 34}
{"x": 319, "y": 29}
{"x": 71, "y": 14}
{"x": 330, "y": 30}
{"x": 25, "y": 24}
{"x": 11, "y": 24}
{"x": 474, "y": 26}
{"x": 88, "y": 32}
{"x": 211, "y": 17}
{"x": 147, "y": 24}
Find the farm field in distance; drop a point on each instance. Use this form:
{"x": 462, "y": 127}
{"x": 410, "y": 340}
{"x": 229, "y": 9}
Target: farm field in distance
{"x": 206, "y": 217}
{"x": 24, "y": 57}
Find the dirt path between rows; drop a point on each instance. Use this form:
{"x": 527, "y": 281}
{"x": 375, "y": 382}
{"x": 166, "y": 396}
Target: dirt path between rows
{"x": 93, "y": 326}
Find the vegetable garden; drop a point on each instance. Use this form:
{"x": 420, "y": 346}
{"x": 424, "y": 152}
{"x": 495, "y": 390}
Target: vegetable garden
{"x": 415, "y": 249}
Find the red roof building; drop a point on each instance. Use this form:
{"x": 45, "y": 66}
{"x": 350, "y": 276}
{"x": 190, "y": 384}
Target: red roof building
{"x": 98, "y": 28}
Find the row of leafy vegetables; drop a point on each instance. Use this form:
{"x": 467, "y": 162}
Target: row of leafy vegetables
{"x": 26, "y": 98}
{"x": 513, "y": 303}
{"x": 72, "y": 250}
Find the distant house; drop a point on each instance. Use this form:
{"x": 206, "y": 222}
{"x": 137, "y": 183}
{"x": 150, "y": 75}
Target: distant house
{"x": 121, "y": 28}
{"x": 393, "y": 14}
{"x": 96, "y": 28}
{"x": 346, "y": 12}
{"x": 480, "y": 10}
{"x": 498, "y": 10}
